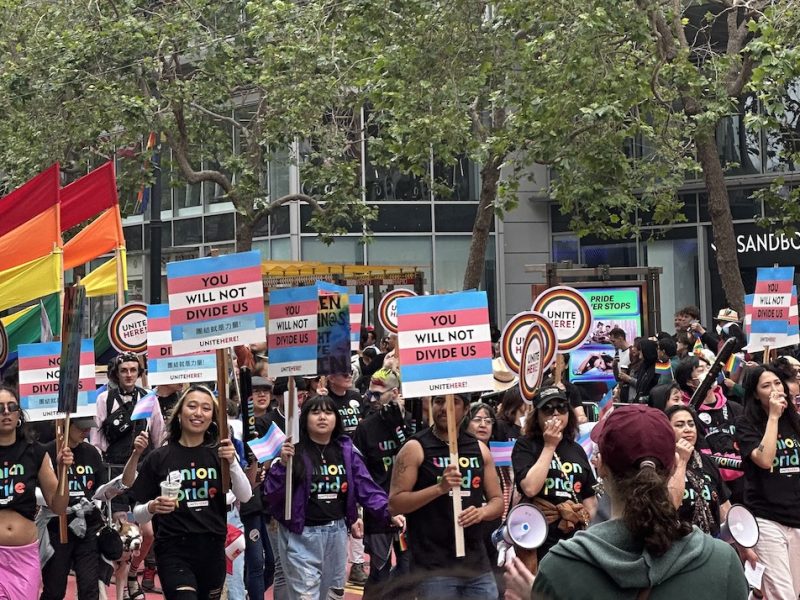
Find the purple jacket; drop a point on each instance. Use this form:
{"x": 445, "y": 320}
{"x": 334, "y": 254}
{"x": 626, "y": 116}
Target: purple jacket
{"x": 366, "y": 492}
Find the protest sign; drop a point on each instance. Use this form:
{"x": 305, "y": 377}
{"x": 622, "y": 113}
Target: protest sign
{"x": 3, "y": 345}
{"x": 387, "y": 308}
{"x": 39, "y": 372}
{"x": 216, "y": 302}
{"x": 333, "y": 329}
{"x": 445, "y": 344}
{"x": 127, "y": 328}
{"x": 770, "y": 307}
{"x": 568, "y": 312}
{"x": 292, "y": 337}
{"x": 538, "y": 352}
{"x": 164, "y": 367}
{"x": 356, "y": 313}
{"x": 792, "y": 336}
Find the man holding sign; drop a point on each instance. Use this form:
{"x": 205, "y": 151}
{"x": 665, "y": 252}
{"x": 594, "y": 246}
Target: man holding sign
{"x": 422, "y": 484}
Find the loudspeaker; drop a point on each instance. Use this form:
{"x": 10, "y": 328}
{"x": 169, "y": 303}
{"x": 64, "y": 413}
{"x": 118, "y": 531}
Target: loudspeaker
{"x": 525, "y": 527}
{"x": 740, "y": 526}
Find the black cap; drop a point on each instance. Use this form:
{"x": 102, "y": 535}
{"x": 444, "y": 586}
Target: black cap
{"x": 545, "y": 394}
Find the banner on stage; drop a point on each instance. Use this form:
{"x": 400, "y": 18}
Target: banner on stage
{"x": 216, "y": 302}
{"x": 445, "y": 344}
{"x": 39, "y": 371}
{"x": 164, "y": 367}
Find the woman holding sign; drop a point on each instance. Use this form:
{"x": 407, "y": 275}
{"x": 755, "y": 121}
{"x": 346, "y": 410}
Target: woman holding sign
{"x": 551, "y": 469}
{"x": 329, "y": 478}
{"x": 24, "y": 465}
{"x": 179, "y": 487}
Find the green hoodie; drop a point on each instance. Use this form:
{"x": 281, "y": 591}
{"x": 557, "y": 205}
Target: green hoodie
{"x": 606, "y": 562}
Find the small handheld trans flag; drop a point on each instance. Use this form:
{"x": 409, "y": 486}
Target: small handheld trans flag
{"x": 269, "y": 445}
{"x": 144, "y": 407}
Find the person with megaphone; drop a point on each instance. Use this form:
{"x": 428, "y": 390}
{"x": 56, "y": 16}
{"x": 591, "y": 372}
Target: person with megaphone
{"x": 551, "y": 469}
{"x": 644, "y": 551}
{"x": 768, "y": 434}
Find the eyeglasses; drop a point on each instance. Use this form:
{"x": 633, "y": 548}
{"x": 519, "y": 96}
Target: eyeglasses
{"x": 373, "y": 396}
{"x": 550, "y": 409}
{"x": 482, "y": 420}
{"x": 9, "y": 408}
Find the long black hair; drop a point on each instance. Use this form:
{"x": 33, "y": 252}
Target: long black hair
{"x": 752, "y": 405}
{"x": 211, "y": 436}
{"x": 305, "y": 445}
{"x": 534, "y": 432}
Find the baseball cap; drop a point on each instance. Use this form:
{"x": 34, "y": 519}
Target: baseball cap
{"x": 547, "y": 393}
{"x": 385, "y": 379}
{"x": 261, "y": 382}
{"x": 83, "y": 422}
{"x": 632, "y": 433}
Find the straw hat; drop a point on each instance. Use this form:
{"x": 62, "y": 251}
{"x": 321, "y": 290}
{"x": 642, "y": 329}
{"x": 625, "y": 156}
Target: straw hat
{"x": 728, "y": 315}
{"x": 503, "y": 379}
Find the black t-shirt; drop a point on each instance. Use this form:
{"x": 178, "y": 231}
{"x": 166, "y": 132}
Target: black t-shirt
{"x": 570, "y": 477}
{"x": 430, "y": 527}
{"x": 201, "y": 503}
{"x": 714, "y": 492}
{"x": 349, "y": 407}
{"x": 379, "y": 441}
{"x": 167, "y": 403}
{"x": 19, "y": 476}
{"x": 327, "y": 500}
{"x": 85, "y": 475}
{"x": 719, "y": 427}
{"x": 774, "y": 493}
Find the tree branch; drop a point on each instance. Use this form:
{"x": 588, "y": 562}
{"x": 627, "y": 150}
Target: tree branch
{"x": 180, "y": 148}
{"x": 221, "y": 118}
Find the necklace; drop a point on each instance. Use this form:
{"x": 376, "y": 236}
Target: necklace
{"x": 446, "y": 442}
{"x": 321, "y": 451}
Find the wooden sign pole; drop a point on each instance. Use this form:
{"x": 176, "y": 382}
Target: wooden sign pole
{"x": 290, "y": 418}
{"x": 61, "y": 441}
{"x": 222, "y": 412}
{"x": 452, "y": 442}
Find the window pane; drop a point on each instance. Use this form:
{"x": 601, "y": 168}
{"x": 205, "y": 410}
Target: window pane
{"x": 133, "y": 237}
{"x": 219, "y": 228}
{"x": 739, "y": 148}
{"x": 742, "y": 205}
{"x": 387, "y": 185}
{"x": 411, "y": 218}
{"x": 402, "y": 250}
{"x": 281, "y": 249}
{"x": 279, "y": 221}
{"x": 565, "y": 248}
{"x": 306, "y": 212}
{"x": 679, "y": 280}
{"x": 279, "y": 175}
{"x": 166, "y": 235}
{"x": 345, "y": 250}
{"x": 457, "y": 217}
{"x": 461, "y": 178}
{"x": 188, "y": 231}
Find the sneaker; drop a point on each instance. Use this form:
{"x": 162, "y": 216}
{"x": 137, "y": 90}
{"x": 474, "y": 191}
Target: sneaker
{"x": 149, "y": 581}
{"x": 357, "y": 574}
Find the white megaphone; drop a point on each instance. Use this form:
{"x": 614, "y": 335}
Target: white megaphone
{"x": 525, "y": 527}
{"x": 740, "y": 526}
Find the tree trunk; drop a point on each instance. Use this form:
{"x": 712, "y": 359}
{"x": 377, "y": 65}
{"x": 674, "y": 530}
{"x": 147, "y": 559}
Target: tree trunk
{"x": 244, "y": 233}
{"x": 721, "y": 220}
{"x": 490, "y": 175}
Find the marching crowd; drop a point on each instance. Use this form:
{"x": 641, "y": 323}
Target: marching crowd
{"x": 642, "y": 517}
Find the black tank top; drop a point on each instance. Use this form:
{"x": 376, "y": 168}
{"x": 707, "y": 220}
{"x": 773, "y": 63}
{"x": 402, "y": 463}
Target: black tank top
{"x": 19, "y": 476}
{"x": 431, "y": 534}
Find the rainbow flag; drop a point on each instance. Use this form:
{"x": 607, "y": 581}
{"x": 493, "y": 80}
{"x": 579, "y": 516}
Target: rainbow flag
{"x": 269, "y": 445}
{"x": 733, "y": 364}
{"x": 144, "y": 407}
{"x": 664, "y": 368}
{"x": 698, "y": 345}
{"x": 501, "y": 453}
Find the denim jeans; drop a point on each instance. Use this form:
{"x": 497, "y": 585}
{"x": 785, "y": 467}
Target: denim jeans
{"x": 279, "y": 591}
{"x": 314, "y": 562}
{"x": 450, "y": 588}
{"x": 235, "y": 581}
{"x": 258, "y": 560}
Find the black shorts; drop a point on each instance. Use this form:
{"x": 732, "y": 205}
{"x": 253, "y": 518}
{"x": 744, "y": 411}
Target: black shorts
{"x": 195, "y": 561}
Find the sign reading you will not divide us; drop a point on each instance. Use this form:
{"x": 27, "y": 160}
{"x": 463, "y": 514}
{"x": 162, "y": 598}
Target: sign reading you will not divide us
{"x": 164, "y": 367}
{"x": 309, "y": 330}
{"x": 445, "y": 344}
{"x": 216, "y": 302}
{"x": 39, "y": 372}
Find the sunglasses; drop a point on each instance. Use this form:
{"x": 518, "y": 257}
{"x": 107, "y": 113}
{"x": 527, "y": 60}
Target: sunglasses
{"x": 9, "y": 408}
{"x": 548, "y": 410}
